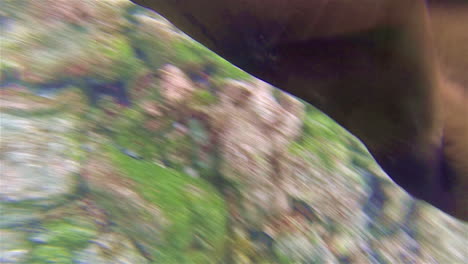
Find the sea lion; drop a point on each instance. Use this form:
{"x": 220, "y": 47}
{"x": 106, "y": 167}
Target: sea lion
{"x": 371, "y": 65}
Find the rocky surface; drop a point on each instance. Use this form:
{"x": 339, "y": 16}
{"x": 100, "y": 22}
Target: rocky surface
{"x": 123, "y": 141}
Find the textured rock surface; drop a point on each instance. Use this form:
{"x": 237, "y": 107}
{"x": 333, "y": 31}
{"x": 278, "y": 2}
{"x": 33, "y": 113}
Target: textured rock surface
{"x": 123, "y": 141}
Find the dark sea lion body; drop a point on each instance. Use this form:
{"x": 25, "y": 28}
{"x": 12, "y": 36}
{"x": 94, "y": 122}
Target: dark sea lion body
{"x": 371, "y": 65}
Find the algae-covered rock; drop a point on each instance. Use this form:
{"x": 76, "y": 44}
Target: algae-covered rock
{"x": 248, "y": 117}
{"x": 110, "y": 248}
{"x": 51, "y": 254}
{"x": 441, "y": 237}
{"x": 170, "y": 162}
{"x": 153, "y": 39}
{"x": 36, "y": 172}
{"x": 69, "y": 38}
{"x": 112, "y": 56}
{"x": 133, "y": 216}
{"x": 67, "y": 234}
{"x": 195, "y": 217}
{"x": 13, "y": 246}
{"x": 297, "y": 248}
{"x": 175, "y": 85}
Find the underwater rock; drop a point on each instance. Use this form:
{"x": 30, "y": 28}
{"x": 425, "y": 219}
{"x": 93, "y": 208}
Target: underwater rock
{"x": 176, "y": 87}
{"x": 158, "y": 208}
{"x": 35, "y": 167}
{"x": 62, "y": 11}
{"x": 110, "y": 248}
{"x": 440, "y": 236}
{"x": 9, "y": 73}
{"x": 143, "y": 85}
{"x": 117, "y": 90}
{"x": 65, "y": 231}
{"x": 347, "y": 248}
{"x": 200, "y": 73}
{"x": 151, "y": 40}
{"x": 129, "y": 213}
{"x": 398, "y": 249}
{"x": 109, "y": 16}
{"x": 332, "y": 195}
{"x": 14, "y": 216}
{"x": 247, "y": 118}
{"x": 299, "y": 248}
{"x": 151, "y": 108}
{"x": 262, "y": 239}
{"x": 302, "y": 208}
{"x": 130, "y": 153}
{"x": 263, "y": 146}
{"x": 110, "y": 58}
{"x": 375, "y": 203}
{"x": 47, "y": 52}
{"x": 13, "y": 248}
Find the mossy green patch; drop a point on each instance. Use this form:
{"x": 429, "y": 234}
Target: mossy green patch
{"x": 50, "y": 254}
{"x": 128, "y": 132}
{"x": 153, "y": 49}
{"x": 67, "y": 234}
{"x": 203, "y": 98}
{"x": 322, "y": 138}
{"x": 118, "y": 53}
{"x": 190, "y": 51}
{"x": 195, "y": 210}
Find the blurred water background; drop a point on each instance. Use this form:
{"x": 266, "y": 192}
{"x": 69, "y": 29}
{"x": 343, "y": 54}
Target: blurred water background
{"x": 124, "y": 141}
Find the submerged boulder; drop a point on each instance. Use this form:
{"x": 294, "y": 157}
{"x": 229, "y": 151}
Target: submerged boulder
{"x": 176, "y": 164}
{"x": 176, "y": 87}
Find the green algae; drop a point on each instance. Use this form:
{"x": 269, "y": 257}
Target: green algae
{"x": 203, "y": 98}
{"x": 190, "y": 51}
{"x": 195, "y": 210}
{"x": 68, "y": 235}
{"x": 128, "y": 133}
{"x": 117, "y": 50}
{"x": 59, "y": 241}
{"x": 50, "y": 254}
{"x": 322, "y": 138}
